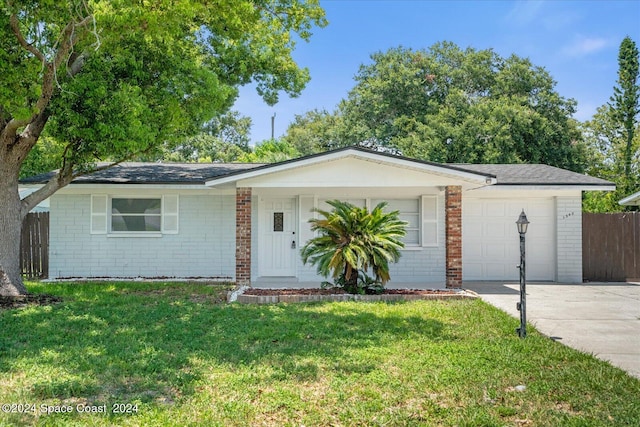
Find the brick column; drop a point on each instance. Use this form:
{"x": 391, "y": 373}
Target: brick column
{"x": 453, "y": 220}
{"x": 243, "y": 236}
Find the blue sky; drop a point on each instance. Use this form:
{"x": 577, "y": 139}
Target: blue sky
{"x": 575, "y": 41}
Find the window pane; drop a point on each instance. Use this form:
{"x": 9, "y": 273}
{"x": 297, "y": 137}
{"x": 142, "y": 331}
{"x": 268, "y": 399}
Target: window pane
{"x": 278, "y": 221}
{"x": 135, "y": 223}
{"x": 136, "y": 206}
{"x": 412, "y": 219}
{"x": 152, "y": 223}
{"x": 412, "y": 238}
{"x": 404, "y": 205}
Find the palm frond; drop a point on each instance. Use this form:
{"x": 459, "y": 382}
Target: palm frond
{"x": 352, "y": 239}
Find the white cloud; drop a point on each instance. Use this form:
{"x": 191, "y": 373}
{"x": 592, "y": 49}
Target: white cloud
{"x": 524, "y": 12}
{"x": 582, "y": 46}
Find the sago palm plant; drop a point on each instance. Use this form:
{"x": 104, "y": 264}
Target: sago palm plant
{"x": 351, "y": 240}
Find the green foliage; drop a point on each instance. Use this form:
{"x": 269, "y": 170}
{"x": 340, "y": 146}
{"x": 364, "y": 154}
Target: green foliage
{"x": 202, "y": 148}
{"x": 364, "y": 285}
{"x": 625, "y": 107}
{"x": 44, "y": 157}
{"x": 316, "y": 131}
{"x": 270, "y": 151}
{"x": 223, "y": 139}
{"x": 613, "y": 134}
{"x": 351, "y": 240}
{"x": 446, "y": 104}
{"x": 142, "y": 76}
{"x": 231, "y": 128}
{"x": 608, "y": 161}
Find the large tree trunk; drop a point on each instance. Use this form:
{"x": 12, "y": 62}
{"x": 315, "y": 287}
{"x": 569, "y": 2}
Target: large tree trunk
{"x": 10, "y": 228}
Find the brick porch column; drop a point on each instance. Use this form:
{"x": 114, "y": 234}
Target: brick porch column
{"x": 453, "y": 221}
{"x": 243, "y": 236}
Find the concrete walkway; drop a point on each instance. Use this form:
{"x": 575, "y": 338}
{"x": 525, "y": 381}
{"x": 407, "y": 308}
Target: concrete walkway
{"x": 602, "y": 319}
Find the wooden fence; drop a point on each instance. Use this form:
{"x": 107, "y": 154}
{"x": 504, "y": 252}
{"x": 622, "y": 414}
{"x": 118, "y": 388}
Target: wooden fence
{"x": 34, "y": 245}
{"x": 611, "y": 246}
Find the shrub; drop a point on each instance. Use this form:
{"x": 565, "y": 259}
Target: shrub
{"x": 351, "y": 240}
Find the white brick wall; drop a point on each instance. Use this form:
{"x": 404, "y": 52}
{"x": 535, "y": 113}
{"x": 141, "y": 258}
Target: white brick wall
{"x": 204, "y": 246}
{"x": 569, "y": 239}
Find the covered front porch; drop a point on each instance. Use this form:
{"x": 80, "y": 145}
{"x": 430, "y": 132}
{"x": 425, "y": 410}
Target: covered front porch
{"x": 272, "y": 226}
{"x": 275, "y": 202}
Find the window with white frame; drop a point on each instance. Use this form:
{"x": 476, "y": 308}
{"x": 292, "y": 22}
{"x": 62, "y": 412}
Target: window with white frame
{"x": 409, "y": 210}
{"x": 134, "y": 215}
{"x": 420, "y": 213}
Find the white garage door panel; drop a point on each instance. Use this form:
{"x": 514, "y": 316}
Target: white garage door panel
{"x": 490, "y": 242}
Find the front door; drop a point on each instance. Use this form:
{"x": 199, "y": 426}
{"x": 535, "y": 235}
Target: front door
{"x": 279, "y": 243}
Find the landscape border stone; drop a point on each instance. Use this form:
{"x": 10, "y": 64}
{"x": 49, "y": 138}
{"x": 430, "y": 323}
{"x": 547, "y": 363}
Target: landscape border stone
{"x": 302, "y": 298}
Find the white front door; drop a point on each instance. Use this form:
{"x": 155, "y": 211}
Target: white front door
{"x": 278, "y": 240}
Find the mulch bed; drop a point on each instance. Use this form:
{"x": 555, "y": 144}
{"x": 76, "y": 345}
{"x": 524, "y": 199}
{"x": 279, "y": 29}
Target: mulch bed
{"x": 338, "y": 291}
{"x": 7, "y": 303}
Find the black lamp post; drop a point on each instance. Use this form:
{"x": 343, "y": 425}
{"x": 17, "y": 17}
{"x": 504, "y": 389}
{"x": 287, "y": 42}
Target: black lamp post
{"x": 522, "y": 224}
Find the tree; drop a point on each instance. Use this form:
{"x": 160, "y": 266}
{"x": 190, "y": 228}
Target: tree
{"x": 112, "y": 79}
{"x": 222, "y": 139}
{"x": 316, "y": 131}
{"x": 351, "y": 240}
{"x": 270, "y": 151}
{"x": 614, "y": 134}
{"x": 451, "y": 105}
{"x": 625, "y": 108}
{"x": 203, "y": 148}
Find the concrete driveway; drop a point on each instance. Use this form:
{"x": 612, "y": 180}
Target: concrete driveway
{"x": 598, "y": 318}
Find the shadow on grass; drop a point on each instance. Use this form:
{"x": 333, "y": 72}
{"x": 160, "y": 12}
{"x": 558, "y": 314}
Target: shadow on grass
{"x": 118, "y": 344}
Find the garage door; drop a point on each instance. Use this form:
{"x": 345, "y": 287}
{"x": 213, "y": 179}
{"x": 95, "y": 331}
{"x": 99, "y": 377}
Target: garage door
{"x": 491, "y": 245}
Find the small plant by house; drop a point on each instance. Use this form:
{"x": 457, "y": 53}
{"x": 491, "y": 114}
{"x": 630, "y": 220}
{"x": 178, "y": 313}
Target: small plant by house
{"x": 351, "y": 241}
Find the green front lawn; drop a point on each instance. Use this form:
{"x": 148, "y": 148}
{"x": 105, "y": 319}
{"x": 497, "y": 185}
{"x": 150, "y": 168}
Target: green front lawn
{"x": 174, "y": 354}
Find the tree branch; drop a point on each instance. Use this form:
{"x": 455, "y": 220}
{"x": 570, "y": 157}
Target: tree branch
{"x": 15, "y": 26}
{"x": 63, "y": 177}
{"x": 35, "y": 124}
{"x": 10, "y": 130}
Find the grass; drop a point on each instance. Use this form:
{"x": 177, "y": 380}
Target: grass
{"x": 179, "y": 356}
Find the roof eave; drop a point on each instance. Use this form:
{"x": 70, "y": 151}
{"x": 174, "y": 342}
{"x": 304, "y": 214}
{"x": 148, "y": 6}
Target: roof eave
{"x": 560, "y": 186}
{"x": 632, "y": 200}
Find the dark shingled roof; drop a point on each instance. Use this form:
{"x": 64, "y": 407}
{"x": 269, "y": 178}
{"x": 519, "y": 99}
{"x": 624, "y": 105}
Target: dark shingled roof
{"x": 200, "y": 173}
{"x": 525, "y": 174}
{"x": 153, "y": 173}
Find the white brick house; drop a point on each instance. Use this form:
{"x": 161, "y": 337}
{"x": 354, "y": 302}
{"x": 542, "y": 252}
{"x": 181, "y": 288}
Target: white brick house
{"x": 247, "y": 222}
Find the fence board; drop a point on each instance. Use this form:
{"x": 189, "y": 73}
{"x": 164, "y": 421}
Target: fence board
{"x": 611, "y": 246}
{"x": 34, "y": 245}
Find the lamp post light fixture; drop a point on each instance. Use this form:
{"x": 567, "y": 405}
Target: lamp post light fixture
{"x": 522, "y": 224}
